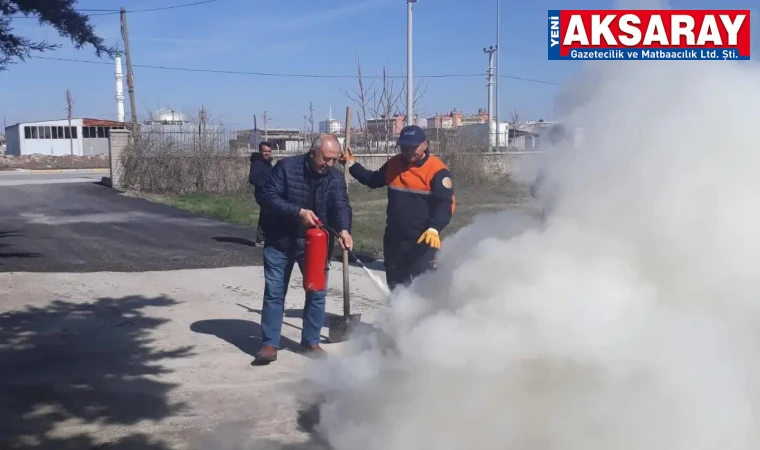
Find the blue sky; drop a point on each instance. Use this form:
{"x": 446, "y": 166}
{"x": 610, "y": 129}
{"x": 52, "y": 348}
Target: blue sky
{"x": 322, "y": 37}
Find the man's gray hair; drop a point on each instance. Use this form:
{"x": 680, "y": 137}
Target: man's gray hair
{"x": 316, "y": 144}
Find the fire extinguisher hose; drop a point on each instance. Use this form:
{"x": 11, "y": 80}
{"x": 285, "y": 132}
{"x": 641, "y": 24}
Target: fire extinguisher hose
{"x": 375, "y": 279}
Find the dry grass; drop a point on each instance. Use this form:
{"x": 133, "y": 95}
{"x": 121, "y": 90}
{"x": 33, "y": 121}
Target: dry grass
{"x": 206, "y": 178}
{"x": 368, "y": 205}
{"x": 159, "y": 165}
{"x": 41, "y": 162}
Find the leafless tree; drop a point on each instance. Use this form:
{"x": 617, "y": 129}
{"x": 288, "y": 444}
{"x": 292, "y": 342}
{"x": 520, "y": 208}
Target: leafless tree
{"x": 515, "y": 124}
{"x": 201, "y": 156}
{"x": 363, "y": 96}
{"x": 419, "y": 94}
{"x": 69, "y": 112}
{"x": 385, "y": 107}
{"x": 514, "y": 120}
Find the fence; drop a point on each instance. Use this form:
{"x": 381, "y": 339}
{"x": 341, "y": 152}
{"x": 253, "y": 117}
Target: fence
{"x": 470, "y": 138}
{"x": 189, "y": 138}
{"x": 216, "y": 160}
{"x": 494, "y": 164}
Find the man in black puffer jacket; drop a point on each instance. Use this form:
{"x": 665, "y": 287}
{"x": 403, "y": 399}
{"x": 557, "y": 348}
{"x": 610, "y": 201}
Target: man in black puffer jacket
{"x": 261, "y": 167}
{"x": 302, "y": 191}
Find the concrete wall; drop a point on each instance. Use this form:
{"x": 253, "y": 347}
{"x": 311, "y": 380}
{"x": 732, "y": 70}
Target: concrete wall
{"x": 502, "y": 163}
{"x": 13, "y": 140}
{"x": 522, "y": 165}
{"x": 118, "y": 141}
{"x": 95, "y": 146}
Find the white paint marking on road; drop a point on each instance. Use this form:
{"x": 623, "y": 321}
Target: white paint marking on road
{"x": 133, "y": 216}
{"x": 28, "y": 181}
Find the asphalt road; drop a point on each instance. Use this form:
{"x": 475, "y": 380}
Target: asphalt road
{"x": 76, "y": 226}
{"x": 13, "y": 178}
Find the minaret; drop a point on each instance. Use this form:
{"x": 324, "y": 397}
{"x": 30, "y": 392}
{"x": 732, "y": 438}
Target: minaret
{"x": 119, "y": 89}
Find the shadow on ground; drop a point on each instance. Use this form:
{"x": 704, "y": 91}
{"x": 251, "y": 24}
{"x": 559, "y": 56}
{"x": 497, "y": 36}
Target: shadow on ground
{"x": 235, "y": 240}
{"x": 4, "y": 254}
{"x": 71, "y": 368}
{"x": 243, "y": 334}
{"x": 366, "y": 258}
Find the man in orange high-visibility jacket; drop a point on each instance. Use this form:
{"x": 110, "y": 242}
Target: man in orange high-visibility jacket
{"x": 421, "y": 203}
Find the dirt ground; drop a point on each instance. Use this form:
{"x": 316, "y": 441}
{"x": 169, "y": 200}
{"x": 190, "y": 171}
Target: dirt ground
{"x": 153, "y": 360}
{"x": 41, "y": 162}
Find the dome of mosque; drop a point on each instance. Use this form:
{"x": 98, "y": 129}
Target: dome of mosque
{"x": 168, "y": 115}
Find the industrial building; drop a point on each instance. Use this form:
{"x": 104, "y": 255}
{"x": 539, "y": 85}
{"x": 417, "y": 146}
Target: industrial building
{"x": 80, "y": 137}
{"x": 58, "y": 138}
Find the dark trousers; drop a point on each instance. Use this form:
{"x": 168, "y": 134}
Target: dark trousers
{"x": 405, "y": 261}
{"x": 260, "y": 235}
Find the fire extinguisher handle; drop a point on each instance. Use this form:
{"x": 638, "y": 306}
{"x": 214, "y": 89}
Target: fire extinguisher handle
{"x": 335, "y": 233}
{"x": 330, "y": 230}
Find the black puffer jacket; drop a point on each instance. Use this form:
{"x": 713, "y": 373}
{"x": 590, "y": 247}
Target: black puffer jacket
{"x": 294, "y": 185}
{"x": 259, "y": 174}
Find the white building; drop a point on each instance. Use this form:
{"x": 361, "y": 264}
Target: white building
{"x": 56, "y": 137}
{"x": 331, "y": 126}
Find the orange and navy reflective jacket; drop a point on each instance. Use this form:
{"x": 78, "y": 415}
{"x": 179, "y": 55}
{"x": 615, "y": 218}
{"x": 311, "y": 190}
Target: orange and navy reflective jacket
{"x": 420, "y": 195}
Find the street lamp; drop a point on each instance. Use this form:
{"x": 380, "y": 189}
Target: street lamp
{"x": 409, "y": 72}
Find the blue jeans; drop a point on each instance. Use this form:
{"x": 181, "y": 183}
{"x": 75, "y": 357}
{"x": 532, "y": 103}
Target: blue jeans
{"x": 278, "y": 266}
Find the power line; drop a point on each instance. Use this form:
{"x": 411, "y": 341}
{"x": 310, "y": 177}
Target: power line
{"x": 109, "y": 12}
{"x": 294, "y": 75}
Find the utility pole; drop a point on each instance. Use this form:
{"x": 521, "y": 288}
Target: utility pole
{"x": 305, "y": 129}
{"x": 202, "y": 118}
{"x": 490, "y": 51}
{"x": 409, "y": 71}
{"x": 69, "y": 110}
{"x": 255, "y": 132}
{"x": 266, "y": 121}
{"x": 130, "y": 73}
{"x": 311, "y": 118}
{"x": 498, "y": 78}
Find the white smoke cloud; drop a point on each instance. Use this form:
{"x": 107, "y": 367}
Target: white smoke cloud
{"x": 628, "y": 322}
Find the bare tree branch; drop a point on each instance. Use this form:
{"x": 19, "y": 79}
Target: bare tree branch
{"x": 419, "y": 94}
{"x": 69, "y": 112}
{"x": 363, "y": 96}
{"x": 385, "y": 107}
{"x": 515, "y": 124}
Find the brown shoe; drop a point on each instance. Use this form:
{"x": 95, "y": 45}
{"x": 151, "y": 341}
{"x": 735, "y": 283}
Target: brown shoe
{"x": 313, "y": 351}
{"x": 265, "y": 355}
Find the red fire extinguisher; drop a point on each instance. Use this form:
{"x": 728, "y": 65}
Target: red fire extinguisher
{"x": 315, "y": 260}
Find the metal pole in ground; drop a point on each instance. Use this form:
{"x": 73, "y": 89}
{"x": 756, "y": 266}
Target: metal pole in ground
{"x": 490, "y": 50}
{"x": 498, "y": 79}
{"x": 409, "y": 71}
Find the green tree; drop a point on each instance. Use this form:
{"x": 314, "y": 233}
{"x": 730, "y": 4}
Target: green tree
{"x": 60, "y": 14}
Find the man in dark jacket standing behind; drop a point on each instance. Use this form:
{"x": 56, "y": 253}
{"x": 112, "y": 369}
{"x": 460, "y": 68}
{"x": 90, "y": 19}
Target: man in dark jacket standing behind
{"x": 261, "y": 167}
{"x": 302, "y": 192}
